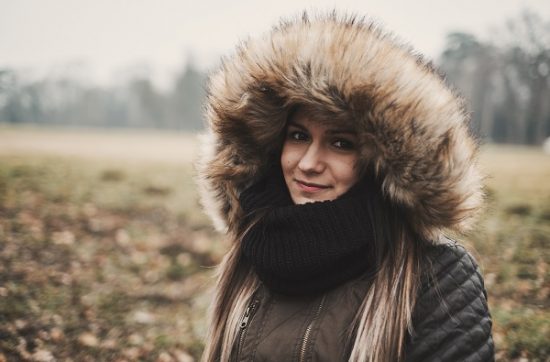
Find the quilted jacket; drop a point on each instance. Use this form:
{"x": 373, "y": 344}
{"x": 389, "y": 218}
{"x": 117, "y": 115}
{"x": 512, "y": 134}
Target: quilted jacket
{"x": 451, "y": 320}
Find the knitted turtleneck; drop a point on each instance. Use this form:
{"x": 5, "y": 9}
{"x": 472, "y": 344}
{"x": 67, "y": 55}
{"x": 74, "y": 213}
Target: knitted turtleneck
{"x": 306, "y": 248}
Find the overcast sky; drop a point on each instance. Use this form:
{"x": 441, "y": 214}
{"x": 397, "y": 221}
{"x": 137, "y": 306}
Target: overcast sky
{"x": 111, "y": 38}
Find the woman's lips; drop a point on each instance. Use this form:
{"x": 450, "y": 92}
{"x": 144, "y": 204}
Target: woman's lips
{"x": 310, "y": 187}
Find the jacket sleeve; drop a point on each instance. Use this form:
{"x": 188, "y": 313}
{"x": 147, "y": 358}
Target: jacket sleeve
{"x": 451, "y": 320}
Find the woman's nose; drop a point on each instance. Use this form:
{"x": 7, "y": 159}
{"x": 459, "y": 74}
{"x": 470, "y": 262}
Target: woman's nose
{"x": 312, "y": 159}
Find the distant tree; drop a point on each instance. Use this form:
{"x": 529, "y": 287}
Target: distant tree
{"x": 11, "y": 105}
{"x": 471, "y": 65}
{"x": 507, "y": 85}
{"x": 146, "y": 107}
{"x": 187, "y": 98}
{"x": 528, "y": 52}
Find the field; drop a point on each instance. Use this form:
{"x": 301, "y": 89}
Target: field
{"x": 105, "y": 254}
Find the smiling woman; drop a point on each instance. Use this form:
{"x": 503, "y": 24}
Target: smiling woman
{"x": 336, "y": 159}
{"x": 319, "y": 161}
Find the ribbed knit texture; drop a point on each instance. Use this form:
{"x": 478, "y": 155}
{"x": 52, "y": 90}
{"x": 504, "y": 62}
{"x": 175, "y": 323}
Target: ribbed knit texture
{"x": 308, "y": 248}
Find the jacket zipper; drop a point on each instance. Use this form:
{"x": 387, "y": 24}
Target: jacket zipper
{"x": 309, "y": 328}
{"x": 248, "y": 313}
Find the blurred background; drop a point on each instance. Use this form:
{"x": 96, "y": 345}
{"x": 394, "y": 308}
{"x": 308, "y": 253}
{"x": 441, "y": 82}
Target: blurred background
{"x": 104, "y": 251}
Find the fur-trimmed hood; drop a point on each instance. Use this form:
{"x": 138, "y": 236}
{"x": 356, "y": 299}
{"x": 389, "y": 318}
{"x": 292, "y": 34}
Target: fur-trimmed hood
{"x": 412, "y": 127}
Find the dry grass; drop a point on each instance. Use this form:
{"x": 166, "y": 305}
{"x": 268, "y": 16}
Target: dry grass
{"x": 513, "y": 246}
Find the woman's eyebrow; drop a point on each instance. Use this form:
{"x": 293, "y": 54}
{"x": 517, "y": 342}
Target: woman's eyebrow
{"x": 347, "y": 131}
{"x": 297, "y": 125}
{"x": 329, "y": 131}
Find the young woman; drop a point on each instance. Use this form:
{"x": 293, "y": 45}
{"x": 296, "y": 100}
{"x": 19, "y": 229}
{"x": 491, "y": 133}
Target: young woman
{"x": 335, "y": 160}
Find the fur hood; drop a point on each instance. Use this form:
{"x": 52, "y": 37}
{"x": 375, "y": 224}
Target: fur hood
{"x": 413, "y": 129}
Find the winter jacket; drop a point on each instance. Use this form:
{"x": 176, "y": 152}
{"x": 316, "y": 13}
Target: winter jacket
{"x": 451, "y": 320}
{"x": 413, "y": 131}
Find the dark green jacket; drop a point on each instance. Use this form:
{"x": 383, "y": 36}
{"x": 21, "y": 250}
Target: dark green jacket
{"x": 451, "y": 320}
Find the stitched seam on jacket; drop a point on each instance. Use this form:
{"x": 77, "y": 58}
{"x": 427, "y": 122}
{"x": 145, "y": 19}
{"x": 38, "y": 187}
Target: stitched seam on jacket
{"x": 459, "y": 287}
{"x": 477, "y": 351}
{"x": 457, "y": 257}
{"x": 441, "y": 345}
{"x": 466, "y": 296}
{"x": 469, "y": 303}
{"x": 443, "y": 269}
{"x": 260, "y": 331}
{"x": 466, "y": 335}
{"x": 470, "y": 272}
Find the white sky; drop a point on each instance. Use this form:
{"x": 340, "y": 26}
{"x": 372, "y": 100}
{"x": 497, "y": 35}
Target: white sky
{"x": 110, "y": 39}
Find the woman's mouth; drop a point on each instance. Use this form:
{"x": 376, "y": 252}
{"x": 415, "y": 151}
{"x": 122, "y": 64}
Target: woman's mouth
{"x": 310, "y": 187}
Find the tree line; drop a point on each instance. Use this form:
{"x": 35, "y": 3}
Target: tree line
{"x": 68, "y": 101}
{"x": 505, "y": 82}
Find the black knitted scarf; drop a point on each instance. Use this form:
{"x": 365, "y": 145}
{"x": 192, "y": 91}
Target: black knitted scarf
{"x": 307, "y": 248}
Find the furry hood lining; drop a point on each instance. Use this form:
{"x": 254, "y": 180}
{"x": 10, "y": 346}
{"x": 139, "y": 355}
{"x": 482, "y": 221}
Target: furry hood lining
{"x": 414, "y": 125}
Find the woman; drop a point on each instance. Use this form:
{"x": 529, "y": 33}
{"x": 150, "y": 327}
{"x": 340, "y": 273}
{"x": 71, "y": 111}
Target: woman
{"x": 336, "y": 158}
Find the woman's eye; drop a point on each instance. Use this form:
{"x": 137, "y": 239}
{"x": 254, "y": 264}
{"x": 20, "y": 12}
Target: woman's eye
{"x": 297, "y": 136}
{"x": 344, "y": 144}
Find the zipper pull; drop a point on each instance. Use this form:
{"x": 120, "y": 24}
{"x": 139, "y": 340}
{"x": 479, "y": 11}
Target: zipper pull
{"x": 246, "y": 316}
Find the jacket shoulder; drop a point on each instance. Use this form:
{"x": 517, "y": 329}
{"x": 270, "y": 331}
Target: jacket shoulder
{"x": 444, "y": 261}
{"x": 451, "y": 319}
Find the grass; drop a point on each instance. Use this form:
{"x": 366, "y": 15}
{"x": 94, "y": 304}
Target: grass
{"x": 106, "y": 259}
{"x": 513, "y": 246}
{"x": 99, "y": 260}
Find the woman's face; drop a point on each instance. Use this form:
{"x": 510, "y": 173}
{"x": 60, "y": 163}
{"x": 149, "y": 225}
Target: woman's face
{"x": 319, "y": 161}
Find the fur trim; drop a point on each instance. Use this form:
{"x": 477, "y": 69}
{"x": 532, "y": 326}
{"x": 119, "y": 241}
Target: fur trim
{"x": 413, "y": 128}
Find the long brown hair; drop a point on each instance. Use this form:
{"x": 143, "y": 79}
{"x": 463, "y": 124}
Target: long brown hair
{"x": 384, "y": 319}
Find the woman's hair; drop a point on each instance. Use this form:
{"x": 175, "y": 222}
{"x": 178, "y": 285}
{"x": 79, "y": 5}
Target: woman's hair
{"x": 380, "y": 327}
{"x": 385, "y": 316}
{"x": 236, "y": 282}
